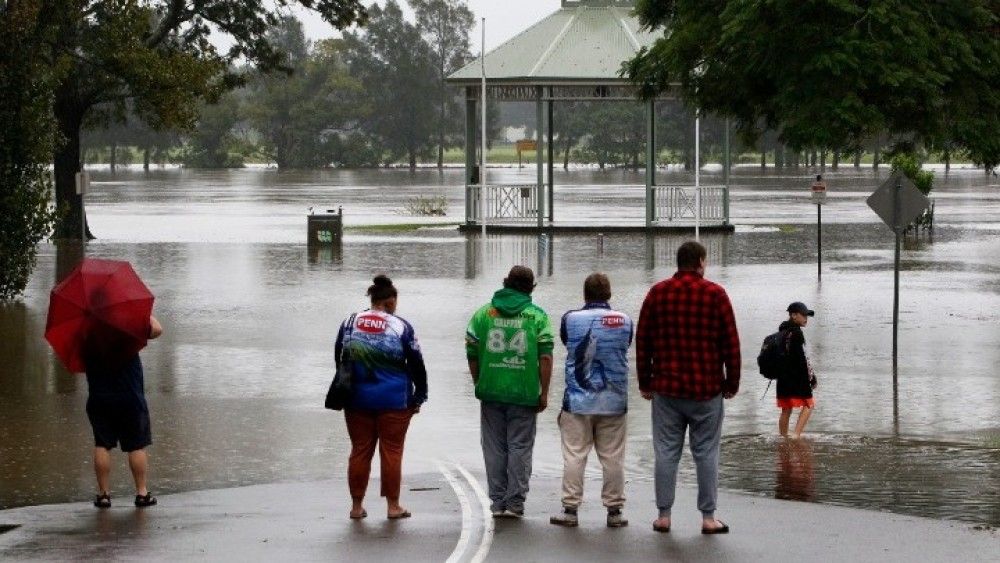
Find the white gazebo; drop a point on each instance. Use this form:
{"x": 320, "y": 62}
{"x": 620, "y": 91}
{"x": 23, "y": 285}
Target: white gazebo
{"x": 574, "y": 54}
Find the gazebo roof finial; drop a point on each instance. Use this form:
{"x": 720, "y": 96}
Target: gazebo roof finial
{"x": 599, "y": 3}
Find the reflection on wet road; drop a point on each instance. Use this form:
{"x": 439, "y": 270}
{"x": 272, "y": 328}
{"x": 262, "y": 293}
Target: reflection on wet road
{"x": 236, "y": 383}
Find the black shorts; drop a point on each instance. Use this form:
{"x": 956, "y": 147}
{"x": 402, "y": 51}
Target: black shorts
{"x": 119, "y": 420}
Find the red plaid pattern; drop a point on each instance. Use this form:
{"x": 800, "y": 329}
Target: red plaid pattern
{"x": 686, "y": 334}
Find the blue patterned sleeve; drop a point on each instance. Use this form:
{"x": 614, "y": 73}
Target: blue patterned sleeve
{"x": 415, "y": 365}
{"x": 563, "y": 334}
{"x": 339, "y": 347}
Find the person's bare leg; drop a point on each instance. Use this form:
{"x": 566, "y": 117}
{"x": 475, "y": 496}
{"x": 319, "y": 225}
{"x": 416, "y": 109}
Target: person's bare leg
{"x": 393, "y": 507}
{"x": 102, "y": 469}
{"x": 712, "y": 523}
{"x": 783, "y": 421}
{"x": 138, "y": 462}
{"x": 358, "y": 507}
{"x": 800, "y": 424}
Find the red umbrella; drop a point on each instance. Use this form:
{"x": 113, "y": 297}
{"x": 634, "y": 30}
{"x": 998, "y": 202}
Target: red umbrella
{"x": 100, "y": 311}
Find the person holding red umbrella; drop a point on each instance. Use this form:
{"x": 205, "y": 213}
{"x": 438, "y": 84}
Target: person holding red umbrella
{"x": 99, "y": 318}
{"x": 119, "y": 415}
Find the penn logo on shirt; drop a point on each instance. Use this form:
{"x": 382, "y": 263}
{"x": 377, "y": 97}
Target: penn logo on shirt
{"x": 372, "y": 324}
{"x": 613, "y": 321}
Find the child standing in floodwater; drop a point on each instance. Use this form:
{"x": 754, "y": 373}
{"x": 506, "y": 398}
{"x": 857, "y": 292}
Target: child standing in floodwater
{"x": 796, "y": 385}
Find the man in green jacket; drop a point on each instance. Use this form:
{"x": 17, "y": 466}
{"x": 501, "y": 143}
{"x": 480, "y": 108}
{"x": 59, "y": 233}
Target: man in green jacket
{"x": 509, "y": 347}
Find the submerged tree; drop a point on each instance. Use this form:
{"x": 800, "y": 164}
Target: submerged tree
{"x": 119, "y": 134}
{"x": 445, "y": 25}
{"x": 396, "y": 68}
{"x": 156, "y": 55}
{"x": 919, "y": 70}
{"x": 616, "y": 134}
{"x": 301, "y": 115}
{"x": 214, "y": 141}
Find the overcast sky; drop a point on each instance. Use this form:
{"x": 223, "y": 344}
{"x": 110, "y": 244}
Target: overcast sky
{"x": 504, "y": 19}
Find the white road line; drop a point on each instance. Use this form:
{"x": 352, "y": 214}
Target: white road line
{"x": 463, "y": 499}
{"x": 484, "y": 501}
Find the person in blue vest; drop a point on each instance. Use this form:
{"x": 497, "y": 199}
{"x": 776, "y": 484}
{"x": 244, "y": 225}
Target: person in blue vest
{"x": 595, "y": 402}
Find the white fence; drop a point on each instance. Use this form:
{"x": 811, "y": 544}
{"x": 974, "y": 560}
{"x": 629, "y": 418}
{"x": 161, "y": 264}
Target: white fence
{"x": 677, "y": 204}
{"x": 505, "y": 203}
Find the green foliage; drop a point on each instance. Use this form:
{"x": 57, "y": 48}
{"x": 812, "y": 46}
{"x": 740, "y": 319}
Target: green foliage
{"x": 26, "y": 217}
{"x": 445, "y": 25}
{"x": 397, "y": 227}
{"x": 26, "y": 141}
{"x": 571, "y": 123}
{"x": 157, "y": 58}
{"x": 356, "y": 150}
{"x": 909, "y": 165}
{"x": 833, "y": 73}
{"x": 616, "y": 134}
{"x": 396, "y": 69}
{"x": 426, "y": 206}
{"x": 105, "y": 129}
{"x": 301, "y": 116}
{"x": 213, "y": 143}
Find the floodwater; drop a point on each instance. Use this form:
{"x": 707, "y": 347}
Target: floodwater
{"x": 236, "y": 383}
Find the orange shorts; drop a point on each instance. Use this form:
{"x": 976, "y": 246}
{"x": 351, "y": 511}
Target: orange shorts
{"x": 795, "y": 402}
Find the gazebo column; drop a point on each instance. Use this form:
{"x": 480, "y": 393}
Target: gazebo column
{"x": 539, "y": 156}
{"x": 470, "y": 153}
{"x": 727, "y": 155}
{"x": 551, "y": 152}
{"x": 727, "y": 166}
{"x": 650, "y": 162}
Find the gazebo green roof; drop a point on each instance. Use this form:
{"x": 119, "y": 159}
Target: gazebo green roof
{"x": 585, "y": 41}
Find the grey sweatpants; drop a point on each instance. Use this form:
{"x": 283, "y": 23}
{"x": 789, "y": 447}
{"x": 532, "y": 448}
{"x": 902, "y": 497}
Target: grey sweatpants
{"x": 703, "y": 420}
{"x": 508, "y": 438}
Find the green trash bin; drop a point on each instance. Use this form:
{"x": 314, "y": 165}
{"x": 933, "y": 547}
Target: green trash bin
{"x": 325, "y": 228}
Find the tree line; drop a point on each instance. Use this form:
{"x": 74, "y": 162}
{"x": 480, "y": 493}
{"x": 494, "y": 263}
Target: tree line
{"x": 375, "y": 96}
{"x": 908, "y": 76}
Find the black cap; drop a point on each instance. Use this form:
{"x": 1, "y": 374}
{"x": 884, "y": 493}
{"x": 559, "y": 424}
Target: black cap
{"x": 800, "y": 307}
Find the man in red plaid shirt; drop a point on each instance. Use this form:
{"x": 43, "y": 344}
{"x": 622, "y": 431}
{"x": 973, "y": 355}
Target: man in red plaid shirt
{"x": 688, "y": 360}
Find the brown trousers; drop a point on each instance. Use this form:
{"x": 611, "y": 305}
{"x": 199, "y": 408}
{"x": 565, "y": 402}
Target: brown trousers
{"x": 388, "y": 430}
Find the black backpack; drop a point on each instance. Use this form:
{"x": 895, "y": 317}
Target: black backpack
{"x": 773, "y": 357}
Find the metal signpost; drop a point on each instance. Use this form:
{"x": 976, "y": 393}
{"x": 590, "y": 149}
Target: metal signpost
{"x": 482, "y": 153}
{"x": 898, "y": 203}
{"x": 697, "y": 175}
{"x": 82, "y": 187}
{"x": 818, "y": 190}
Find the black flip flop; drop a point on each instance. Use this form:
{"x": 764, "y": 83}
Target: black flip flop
{"x": 142, "y": 501}
{"x": 403, "y": 514}
{"x": 724, "y": 529}
{"x": 661, "y": 529}
{"x": 103, "y": 501}
{"x": 364, "y": 514}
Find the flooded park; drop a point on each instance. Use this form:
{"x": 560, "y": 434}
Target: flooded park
{"x": 235, "y": 385}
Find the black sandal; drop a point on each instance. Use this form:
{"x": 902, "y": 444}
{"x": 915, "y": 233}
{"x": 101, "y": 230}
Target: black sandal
{"x": 142, "y": 501}
{"x": 103, "y": 500}
{"x": 723, "y": 529}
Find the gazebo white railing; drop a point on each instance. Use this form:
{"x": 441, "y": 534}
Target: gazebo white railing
{"x": 677, "y": 203}
{"x": 505, "y": 203}
{"x": 574, "y": 54}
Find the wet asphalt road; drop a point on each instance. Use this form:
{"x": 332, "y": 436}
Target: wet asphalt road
{"x": 308, "y": 522}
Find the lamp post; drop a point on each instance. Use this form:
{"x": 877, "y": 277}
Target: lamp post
{"x": 818, "y": 190}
